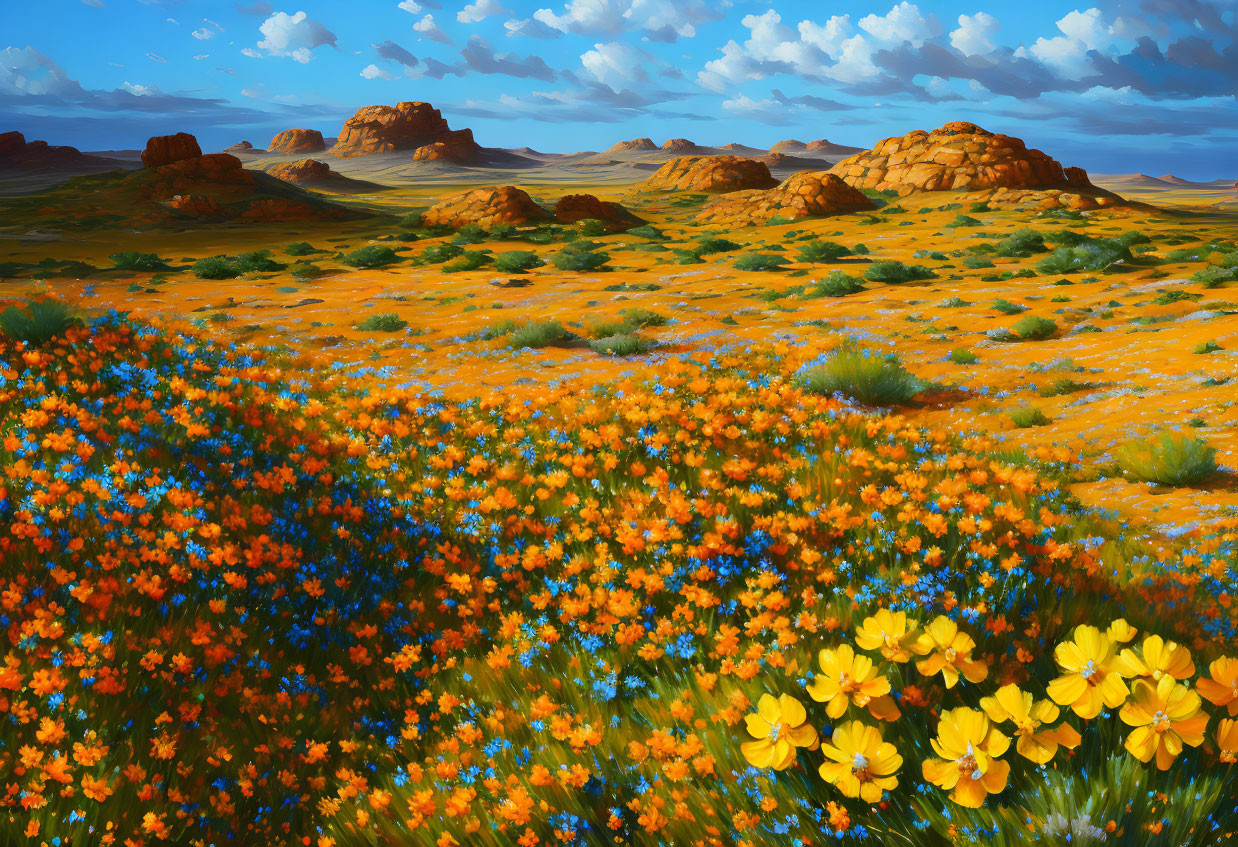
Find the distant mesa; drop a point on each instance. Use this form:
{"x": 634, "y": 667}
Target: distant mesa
{"x": 18, "y": 153}
{"x": 958, "y": 156}
{"x": 822, "y": 145}
{"x": 712, "y": 174}
{"x": 779, "y": 160}
{"x": 789, "y": 146}
{"x": 679, "y": 145}
{"x": 740, "y": 148}
{"x": 459, "y": 149}
{"x": 389, "y": 129}
{"x": 804, "y": 195}
{"x": 240, "y": 147}
{"x": 304, "y": 170}
{"x": 634, "y": 144}
{"x": 293, "y": 141}
{"x": 580, "y": 207}
{"x": 166, "y": 149}
{"x": 484, "y": 206}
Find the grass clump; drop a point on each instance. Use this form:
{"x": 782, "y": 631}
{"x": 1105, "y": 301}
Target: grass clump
{"x": 1008, "y": 308}
{"x": 1206, "y": 347}
{"x": 436, "y": 253}
{"x": 895, "y": 273}
{"x": 963, "y": 356}
{"x": 385, "y": 322}
{"x": 976, "y": 262}
{"x": 1093, "y": 255}
{"x": 1020, "y": 244}
{"x": 1215, "y": 277}
{"x": 624, "y": 344}
{"x": 1064, "y": 385}
{"x": 962, "y": 220}
{"x": 1034, "y": 328}
{"x": 216, "y": 267}
{"x": 536, "y": 335}
{"x": 38, "y": 321}
{"x": 469, "y": 260}
{"x": 816, "y": 251}
{"x": 259, "y": 261}
{"x": 865, "y": 376}
{"x": 1028, "y": 416}
{"x": 760, "y": 262}
{"x": 1167, "y": 459}
{"x": 647, "y": 231}
{"x": 836, "y": 284}
{"x": 132, "y": 261}
{"x": 517, "y": 261}
{"x": 372, "y": 256}
{"x": 579, "y": 258}
{"x": 301, "y": 248}
{"x": 715, "y": 245}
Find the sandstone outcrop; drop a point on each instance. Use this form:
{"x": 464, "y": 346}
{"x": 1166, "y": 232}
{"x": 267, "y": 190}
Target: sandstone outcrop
{"x": 806, "y": 194}
{"x": 958, "y": 156}
{"x": 293, "y": 141}
{"x": 712, "y": 174}
{"x": 634, "y": 144}
{"x": 460, "y": 149}
{"x": 303, "y": 170}
{"x": 386, "y": 129}
{"x": 678, "y": 145}
{"x": 18, "y": 153}
{"x": 165, "y": 149}
{"x": 789, "y": 146}
{"x": 580, "y": 207}
{"x": 240, "y": 147}
{"x": 484, "y": 206}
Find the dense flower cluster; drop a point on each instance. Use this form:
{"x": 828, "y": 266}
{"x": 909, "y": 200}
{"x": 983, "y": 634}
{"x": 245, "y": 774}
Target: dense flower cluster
{"x": 247, "y": 604}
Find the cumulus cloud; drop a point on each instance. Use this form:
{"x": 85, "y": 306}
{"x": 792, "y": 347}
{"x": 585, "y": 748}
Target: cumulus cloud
{"x": 295, "y": 36}
{"x": 902, "y": 23}
{"x": 203, "y": 34}
{"x": 530, "y": 28}
{"x": 660, "y": 20}
{"x": 619, "y": 64}
{"x": 375, "y": 72}
{"x": 26, "y": 71}
{"x": 972, "y": 38}
{"x": 479, "y": 11}
{"x": 141, "y": 90}
{"x": 427, "y": 27}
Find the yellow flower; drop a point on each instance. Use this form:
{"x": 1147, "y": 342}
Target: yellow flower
{"x": 1222, "y": 688}
{"x": 1120, "y": 630}
{"x": 848, "y": 678}
{"x": 863, "y": 765}
{"x": 1165, "y": 715}
{"x": 1090, "y": 678}
{"x": 969, "y": 767}
{"x": 1227, "y": 741}
{"x": 779, "y": 727}
{"x": 1035, "y": 740}
{"x": 1156, "y": 658}
{"x": 948, "y": 651}
{"x": 888, "y": 632}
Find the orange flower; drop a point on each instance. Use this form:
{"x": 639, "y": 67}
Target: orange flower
{"x": 1222, "y": 688}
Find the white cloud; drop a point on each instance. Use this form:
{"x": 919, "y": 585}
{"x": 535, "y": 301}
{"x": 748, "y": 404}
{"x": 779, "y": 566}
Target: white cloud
{"x": 762, "y": 111}
{"x": 427, "y": 27}
{"x": 902, "y": 23}
{"x": 141, "y": 90}
{"x": 531, "y": 28}
{"x": 24, "y": 70}
{"x": 294, "y": 36}
{"x": 201, "y": 56}
{"x": 972, "y": 36}
{"x": 251, "y": 53}
{"x": 410, "y": 7}
{"x": 663, "y": 20}
{"x": 375, "y": 72}
{"x": 480, "y": 10}
{"x": 156, "y": 58}
{"x": 1087, "y": 28}
{"x": 617, "y": 64}
{"x": 827, "y": 37}
{"x": 203, "y": 34}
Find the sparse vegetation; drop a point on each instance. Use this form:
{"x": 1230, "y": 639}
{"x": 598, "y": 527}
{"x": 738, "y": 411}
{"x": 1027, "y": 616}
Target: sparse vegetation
{"x": 37, "y": 321}
{"x": 895, "y": 273}
{"x": 138, "y": 262}
{"x": 385, "y": 322}
{"x": 301, "y": 248}
{"x": 815, "y": 252}
{"x": 517, "y": 261}
{"x": 1024, "y": 417}
{"x": 835, "y": 284}
{"x": 865, "y": 376}
{"x": 1035, "y": 328}
{"x": 536, "y": 335}
{"x": 574, "y": 258}
{"x": 372, "y": 256}
{"x": 760, "y": 262}
{"x": 1092, "y": 255}
{"x": 469, "y": 260}
{"x": 1167, "y": 458}
{"x": 215, "y": 267}
{"x": 622, "y": 345}
{"x": 963, "y": 356}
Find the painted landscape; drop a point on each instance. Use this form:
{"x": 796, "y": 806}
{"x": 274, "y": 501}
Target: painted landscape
{"x": 367, "y": 485}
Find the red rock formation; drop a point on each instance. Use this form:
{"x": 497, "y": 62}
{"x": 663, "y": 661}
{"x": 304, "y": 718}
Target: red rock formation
{"x": 789, "y": 146}
{"x": 11, "y": 143}
{"x": 484, "y": 206}
{"x": 634, "y": 144}
{"x": 292, "y": 141}
{"x": 196, "y": 205}
{"x": 385, "y": 129}
{"x": 165, "y": 149}
{"x": 806, "y": 194}
{"x": 679, "y": 145}
{"x": 1078, "y": 177}
{"x": 779, "y": 160}
{"x": 580, "y": 207}
{"x": 460, "y": 149}
{"x": 714, "y": 174}
{"x": 19, "y": 154}
{"x": 304, "y": 170}
{"x": 959, "y": 155}
{"x": 239, "y": 147}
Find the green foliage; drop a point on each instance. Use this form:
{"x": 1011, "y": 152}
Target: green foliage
{"x": 306, "y": 270}
{"x": 1008, "y": 308}
{"x": 963, "y": 356}
{"x": 1215, "y": 277}
{"x": 591, "y": 228}
{"x": 215, "y": 267}
{"x": 575, "y": 258}
{"x": 1035, "y": 328}
{"x": 384, "y": 322}
{"x": 1093, "y": 255}
{"x": 412, "y": 221}
{"x": 536, "y": 335}
{"x": 836, "y": 284}
{"x": 132, "y": 261}
{"x": 686, "y": 257}
{"x": 469, "y": 260}
{"x": 954, "y": 303}
{"x": 816, "y": 251}
{"x": 622, "y": 345}
{"x": 517, "y": 261}
{"x": 895, "y": 273}
{"x": 436, "y": 253}
{"x": 372, "y": 256}
{"x": 976, "y": 208}
{"x": 37, "y": 321}
{"x": 1207, "y": 347}
{"x": 715, "y": 245}
{"x": 470, "y": 233}
{"x": 863, "y": 375}
{"x": 498, "y": 330}
{"x": 1028, "y": 416}
{"x": 1064, "y": 385}
{"x": 1167, "y": 458}
{"x": 301, "y": 248}
{"x": 962, "y": 220}
{"x": 1021, "y": 243}
{"x": 647, "y": 231}
{"x": 259, "y": 261}
{"x": 760, "y": 262}
{"x": 976, "y": 262}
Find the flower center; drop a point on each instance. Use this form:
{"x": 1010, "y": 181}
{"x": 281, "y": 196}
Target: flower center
{"x": 1089, "y": 670}
{"x": 774, "y": 731}
{"x": 1160, "y": 722}
{"x": 859, "y": 768}
{"x": 967, "y": 767}
{"x": 951, "y": 654}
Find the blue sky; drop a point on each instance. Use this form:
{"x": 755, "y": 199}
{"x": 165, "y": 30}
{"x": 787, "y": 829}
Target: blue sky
{"x": 1138, "y": 85}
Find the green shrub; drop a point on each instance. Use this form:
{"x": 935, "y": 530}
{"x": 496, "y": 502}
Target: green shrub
{"x": 1094, "y": 255}
{"x": 954, "y": 303}
{"x": 1028, "y": 416}
{"x": 836, "y": 284}
{"x": 1215, "y": 277}
{"x": 37, "y": 321}
{"x": 577, "y": 259}
{"x": 386, "y": 322}
{"x": 962, "y": 220}
{"x": 1167, "y": 459}
{"x": 715, "y": 245}
{"x": 1008, "y": 308}
{"x": 412, "y": 221}
{"x": 1021, "y": 243}
{"x": 976, "y": 262}
{"x": 979, "y": 207}
{"x": 517, "y": 261}
{"x": 537, "y": 334}
{"x": 963, "y": 356}
{"x": 642, "y": 318}
{"x": 469, "y": 260}
{"x": 470, "y": 233}
{"x": 372, "y": 256}
{"x": 814, "y": 252}
{"x": 647, "y": 231}
{"x": 1034, "y": 328}
{"x": 216, "y": 267}
{"x": 1064, "y": 385}
{"x": 895, "y": 273}
{"x": 306, "y": 270}
{"x": 1207, "y": 347}
{"x": 591, "y": 228}
{"x": 498, "y": 330}
{"x": 259, "y": 261}
{"x": 301, "y": 248}
{"x": 138, "y": 262}
{"x": 622, "y": 345}
{"x": 760, "y": 262}
{"x": 863, "y": 375}
{"x": 686, "y": 257}
{"x": 436, "y": 253}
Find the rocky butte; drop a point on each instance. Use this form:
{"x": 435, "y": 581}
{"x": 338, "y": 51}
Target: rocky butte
{"x": 404, "y": 126}
{"x": 293, "y": 141}
{"x": 712, "y": 174}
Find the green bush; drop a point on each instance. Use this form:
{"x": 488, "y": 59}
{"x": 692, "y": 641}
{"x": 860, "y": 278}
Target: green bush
{"x": 1064, "y": 385}
{"x": 836, "y": 284}
{"x": 976, "y": 262}
{"x": 647, "y": 231}
{"x": 863, "y": 375}
{"x": 517, "y": 261}
{"x": 386, "y": 322}
{"x": 372, "y": 256}
{"x": 591, "y": 228}
{"x": 259, "y": 261}
{"x": 1008, "y": 308}
{"x": 715, "y": 245}
{"x": 138, "y": 262}
{"x": 962, "y": 220}
{"x": 577, "y": 259}
{"x": 537, "y": 334}
{"x": 216, "y": 267}
{"x": 642, "y": 318}
{"x": 1092, "y": 255}
{"x": 498, "y": 330}
{"x": 686, "y": 257}
{"x": 301, "y": 248}
{"x": 306, "y": 270}
{"x": 815, "y": 252}
{"x": 1028, "y": 416}
{"x": 470, "y": 233}
{"x": 412, "y": 221}
{"x": 1207, "y": 347}
{"x": 37, "y": 321}
{"x": 963, "y": 356}
{"x": 622, "y": 345}
{"x": 760, "y": 262}
{"x": 1021, "y": 243}
{"x": 1215, "y": 277}
{"x": 436, "y": 253}
{"x": 1035, "y": 328}
{"x": 1167, "y": 459}
{"x": 895, "y": 273}
{"x": 469, "y": 260}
